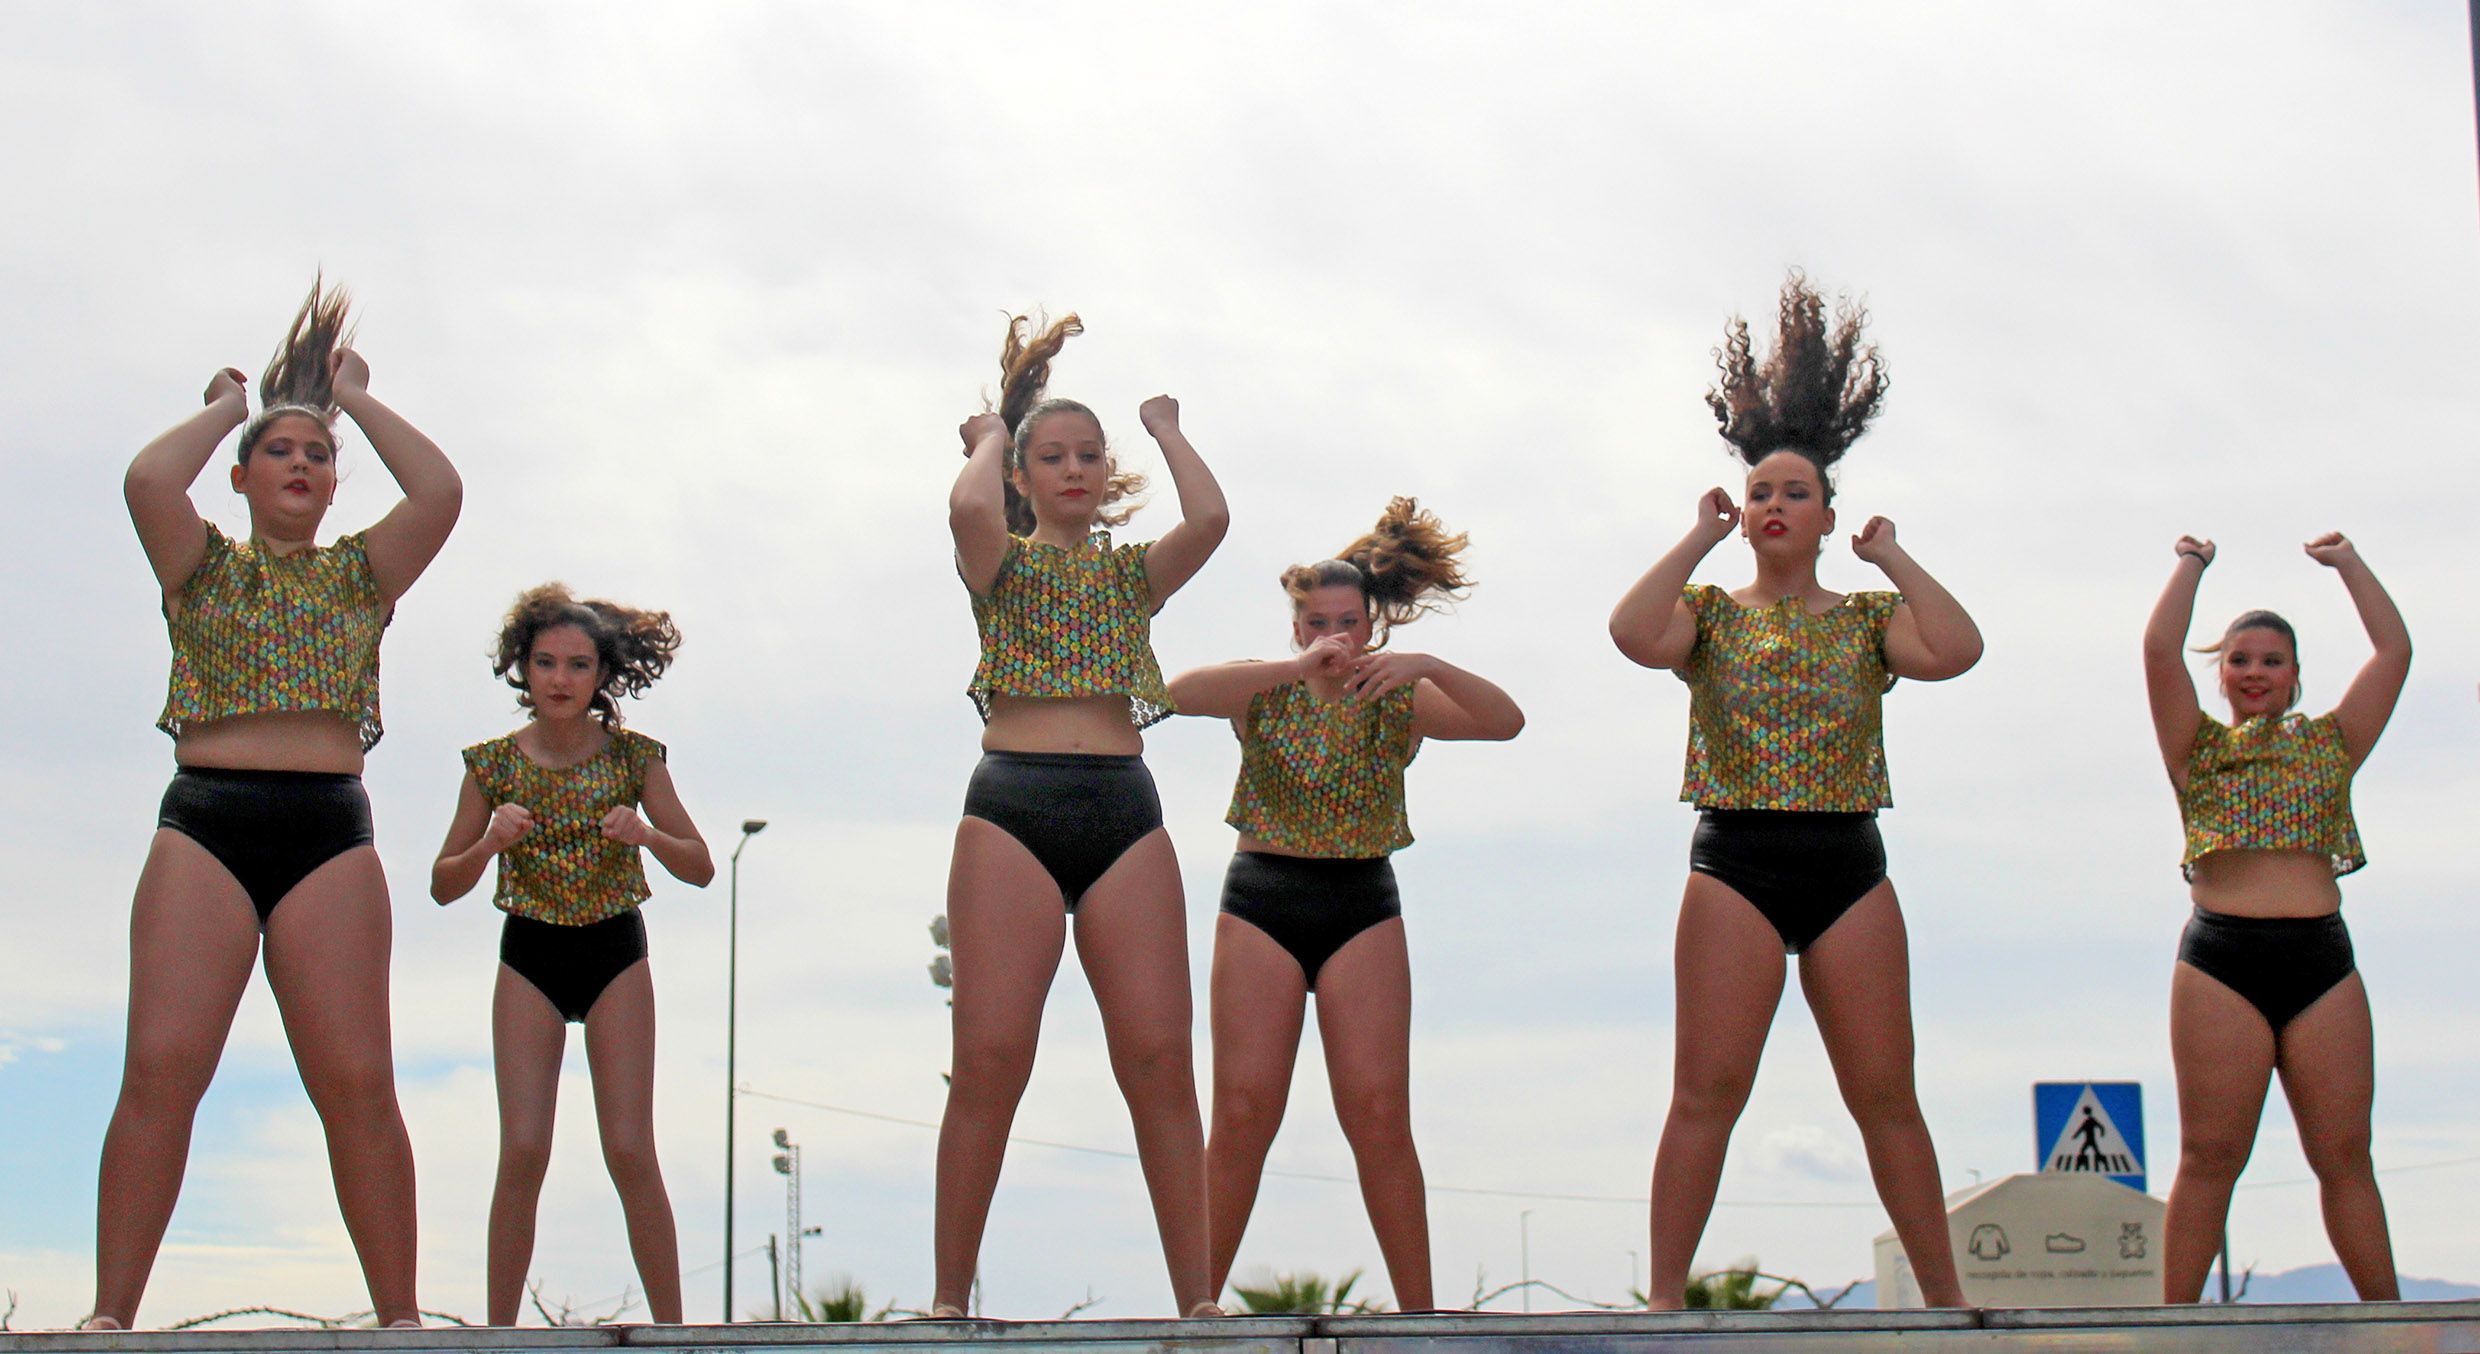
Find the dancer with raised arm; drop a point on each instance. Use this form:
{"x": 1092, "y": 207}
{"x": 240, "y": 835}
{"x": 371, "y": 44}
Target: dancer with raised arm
{"x": 1787, "y": 770}
{"x": 1061, "y": 821}
{"x": 264, "y": 837}
{"x": 2265, "y": 981}
{"x": 559, "y": 803}
{"x": 1309, "y": 902}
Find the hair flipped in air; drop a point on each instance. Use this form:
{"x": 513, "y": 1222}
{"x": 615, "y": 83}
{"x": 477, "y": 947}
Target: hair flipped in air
{"x": 1406, "y": 566}
{"x": 300, "y": 380}
{"x": 1813, "y": 394}
{"x": 633, "y": 646}
{"x": 1024, "y": 373}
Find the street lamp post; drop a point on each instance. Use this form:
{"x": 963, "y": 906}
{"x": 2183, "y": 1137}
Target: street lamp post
{"x": 731, "y": 1047}
{"x": 1524, "y": 1244}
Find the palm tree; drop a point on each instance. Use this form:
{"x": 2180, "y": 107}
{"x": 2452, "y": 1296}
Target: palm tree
{"x": 1303, "y": 1294}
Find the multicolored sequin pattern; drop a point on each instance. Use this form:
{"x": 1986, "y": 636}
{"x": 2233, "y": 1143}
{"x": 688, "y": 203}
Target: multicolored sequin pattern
{"x": 565, "y": 871}
{"x": 1061, "y": 623}
{"x": 258, "y": 632}
{"x": 1325, "y": 778}
{"x": 2273, "y": 783}
{"x": 1785, "y": 707}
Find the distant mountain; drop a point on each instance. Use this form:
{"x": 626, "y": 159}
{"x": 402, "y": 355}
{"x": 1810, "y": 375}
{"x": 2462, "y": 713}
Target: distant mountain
{"x": 2314, "y": 1283}
{"x": 2326, "y": 1283}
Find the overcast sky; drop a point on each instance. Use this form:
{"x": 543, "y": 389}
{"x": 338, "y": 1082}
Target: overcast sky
{"x": 695, "y": 297}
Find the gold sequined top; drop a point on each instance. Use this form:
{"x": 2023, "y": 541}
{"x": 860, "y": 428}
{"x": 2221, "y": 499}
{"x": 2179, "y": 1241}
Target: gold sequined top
{"x": 258, "y": 632}
{"x": 2273, "y": 783}
{"x": 565, "y": 871}
{"x": 1325, "y": 778}
{"x": 1784, "y": 707}
{"x": 1062, "y": 622}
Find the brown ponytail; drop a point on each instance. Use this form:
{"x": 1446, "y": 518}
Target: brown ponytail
{"x": 1024, "y": 374}
{"x": 301, "y": 378}
{"x": 1405, "y": 567}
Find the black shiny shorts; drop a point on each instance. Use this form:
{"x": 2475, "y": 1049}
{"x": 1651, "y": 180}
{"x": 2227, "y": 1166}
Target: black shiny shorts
{"x": 1312, "y": 908}
{"x": 2280, "y": 964}
{"x": 1078, "y": 813}
{"x": 270, "y": 829}
{"x": 1803, "y": 871}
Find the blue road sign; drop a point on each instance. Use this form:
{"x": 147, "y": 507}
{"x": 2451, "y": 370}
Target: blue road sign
{"x": 2090, "y": 1127}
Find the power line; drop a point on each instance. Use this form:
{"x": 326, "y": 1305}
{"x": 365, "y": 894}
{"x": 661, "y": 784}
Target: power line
{"x": 1480, "y": 1191}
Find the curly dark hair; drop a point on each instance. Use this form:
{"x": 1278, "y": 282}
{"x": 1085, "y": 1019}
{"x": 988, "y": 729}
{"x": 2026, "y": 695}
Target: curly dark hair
{"x": 1814, "y": 394}
{"x": 1024, "y": 373}
{"x": 1405, "y": 567}
{"x": 300, "y": 379}
{"x": 633, "y": 646}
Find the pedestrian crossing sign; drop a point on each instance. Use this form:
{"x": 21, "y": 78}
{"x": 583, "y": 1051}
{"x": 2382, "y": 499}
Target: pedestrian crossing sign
{"x": 2090, "y": 1127}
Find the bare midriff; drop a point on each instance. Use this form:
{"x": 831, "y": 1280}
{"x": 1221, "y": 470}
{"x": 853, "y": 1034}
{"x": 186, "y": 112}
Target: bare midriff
{"x": 278, "y": 740}
{"x": 2265, "y": 884}
{"x": 1095, "y": 725}
{"x": 1250, "y": 841}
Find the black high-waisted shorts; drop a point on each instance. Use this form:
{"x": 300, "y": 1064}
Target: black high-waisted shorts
{"x": 1077, "y": 812}
{"x": 571, "y": 965}
{"x": 270, "y": 829}
{"x": 1803, "y": 871}
{"x": 2280, "y": 964}
{"x": 1310, "y": 907}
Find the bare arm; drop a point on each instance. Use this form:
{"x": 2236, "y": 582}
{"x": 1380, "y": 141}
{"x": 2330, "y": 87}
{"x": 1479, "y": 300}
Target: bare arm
{"x": 1654, "y": 625}
{"x": 477, "y": 833}
{"x": 1453, "y": 704}
{"x": 2168, "y": 684}
{"x": 977, "y": 506}
{"x": 1931, "y": 637}
{"x": 2368, "y": 704}
{"x": 403, "y": 543}
{"x": 670, "y": 834}
{"x": 159, "y": 479}
{"x": 1177, "y": 555}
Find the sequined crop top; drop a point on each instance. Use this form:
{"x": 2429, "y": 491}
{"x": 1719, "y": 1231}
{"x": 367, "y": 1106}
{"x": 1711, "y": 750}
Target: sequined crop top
{"x": 1325, "y": 778}
{"x": 2270, "y": 784}
{"x": 258, "y": 632}
{"x": 1784, "y": 707}
{"x": 1061, "y": 623}
{"x": 565, "y": 871}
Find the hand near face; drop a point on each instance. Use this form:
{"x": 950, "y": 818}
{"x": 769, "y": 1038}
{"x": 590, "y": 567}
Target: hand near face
{"x": 1716, "y": 515}
{"x": 1160, "y": 415}
{"x": 2333, "y": 550}
{"x": 1328, "y": 656}
{"x": 348, "y": 373}
{"x": 509, "y": 823}
{"x": 979, "y": 428}
{"x": 2202, "y": 550}
{"x": 625, "y": 827}
{"x": 1378, "y": 673}
{"x": 1875, "y": 543}
{"x": 229, "y": 384}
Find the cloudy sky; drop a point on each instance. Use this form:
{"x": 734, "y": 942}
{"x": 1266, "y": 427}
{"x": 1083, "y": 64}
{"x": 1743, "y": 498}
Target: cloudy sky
{"x": 695, "y": 297}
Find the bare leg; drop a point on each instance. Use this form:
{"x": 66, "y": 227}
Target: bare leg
{"x": 2327, "y": 1057}
{"x": 327, "y": 961}
{"x": 1006, "y": 930}
{"x": 1133, "y": 943}
{"x": 1365, "y": 1020}
{"x": 528, "y": 1040}
{"x": 1858, "y": 979}
{"x": 2222, "y": 1051}
{"x": 620, "y": 1050}
{"x": 1727, "y": 965}
{"x": 193, "y": 940}
{"x": 1259, "y": 1000}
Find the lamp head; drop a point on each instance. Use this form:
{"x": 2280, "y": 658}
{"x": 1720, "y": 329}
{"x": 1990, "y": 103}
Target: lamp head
{"x": 751, "y": 827}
